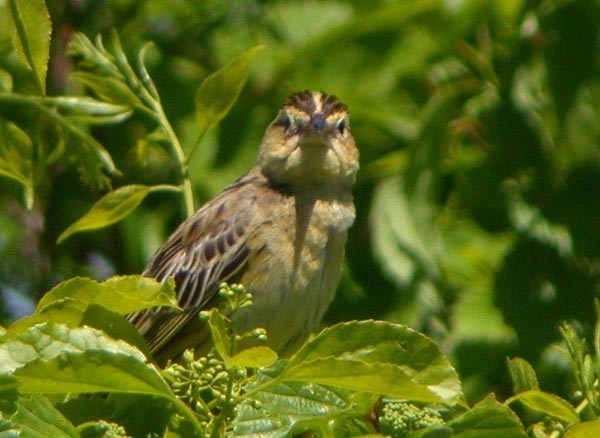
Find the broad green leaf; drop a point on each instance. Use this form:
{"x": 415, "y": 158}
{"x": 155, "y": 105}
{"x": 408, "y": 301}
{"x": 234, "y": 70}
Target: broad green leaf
{"x": 379, "y": 357}
{"x": 523, "y": 375}
{"x": 16, "y": 158}
{"x": 53, "y": 358}
{"x": 548, "y": 404}
{"x": 111, "y": 208}
{"x": 488, "y": 419}
{"x": 220, "y": 334}
{"x": 220, "y": 90}
{"x": 588, "y": 429}
{"x": 30, "y": 28}
{"x": 75, "y": 313}
{"x": 115, "y": 326}
{"x": 37, "y": 418}
{"x": 287, "y": 409}
{"x": 376, "y": 378}
{"x": 67, "y": 310}
{"x": 254, "y": 357}
{"x": 121, "y": 294}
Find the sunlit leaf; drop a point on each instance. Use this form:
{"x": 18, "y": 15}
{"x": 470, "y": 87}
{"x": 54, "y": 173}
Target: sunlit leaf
{"x": 288, "y": 407}
{"x": 122, "y": 294}
{"x": 220, "y": 90}
{"x": 378, "y": 357}
{"x": 523, "y": 375}
{"x": 53, "y": 358}
{"x": 111, "y": 208}
{"x": 254, "y": 357}
{"x": 588, "y": 429}
{"x": 30, "y": 28}
{"x": 548, "y": 404}
{"x": 75, "y": 313}
{"x": 37, "y": 418}
{"x": 489, "y": 419}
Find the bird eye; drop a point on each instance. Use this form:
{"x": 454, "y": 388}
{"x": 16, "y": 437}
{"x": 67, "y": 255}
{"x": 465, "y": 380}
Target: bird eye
{"x": 342, "y": 125}
{"x": 284, "y": 120}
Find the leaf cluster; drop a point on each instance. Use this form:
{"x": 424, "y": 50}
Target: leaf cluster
{"x": 73, "y": 345}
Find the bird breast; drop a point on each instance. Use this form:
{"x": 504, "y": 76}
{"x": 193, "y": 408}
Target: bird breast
{"x": 296, "y": 266}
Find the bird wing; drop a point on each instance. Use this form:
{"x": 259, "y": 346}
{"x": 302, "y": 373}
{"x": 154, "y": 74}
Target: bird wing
{"x": 207, "y": 249}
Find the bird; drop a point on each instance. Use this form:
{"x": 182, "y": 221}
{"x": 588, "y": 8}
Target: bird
{"x": 279, "y": 230}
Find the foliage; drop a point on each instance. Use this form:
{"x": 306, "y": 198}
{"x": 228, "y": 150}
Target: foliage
{"x": 477, "y": 199}
{"x": 247, "y": 392}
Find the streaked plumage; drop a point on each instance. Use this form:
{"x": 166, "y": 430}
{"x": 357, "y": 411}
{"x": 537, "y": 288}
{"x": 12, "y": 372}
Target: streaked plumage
{"x": 279, "y": 230}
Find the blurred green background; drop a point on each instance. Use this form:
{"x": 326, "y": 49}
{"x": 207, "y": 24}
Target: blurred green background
{"x": 478, "y": 124}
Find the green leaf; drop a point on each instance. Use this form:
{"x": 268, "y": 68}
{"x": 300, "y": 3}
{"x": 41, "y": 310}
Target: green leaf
{"x": 122, "y": 294}
{"x": 548, "y": 404}
{"x": 378, "y": 357}
{"x": 8, "y": 394}
{"x": 30, "y": 29}
{"x": 37, "y": 418}
{"x": 128, "y": 409}
{"x": 8, "y": 430}
{"x": 111, "y": 208}
{"x": 583, "y": 430}
{"x": 16, "y": 152}
{"x": 523, "y": 375}
{"x": 111, "y": 89}
{"x": 254, "y": 357}
{"x": 75, "y": 313}
{"x": 220, "y": 90}
{"x": 220, "y": 334}
{"x": 6, "y": 81}
{"x": 89, "y": 110}
{"x": 289, "y": 409}
{"x": 53, "y": 358}
{"x": 402, "y": 238}
{"x": 488, "y": 419}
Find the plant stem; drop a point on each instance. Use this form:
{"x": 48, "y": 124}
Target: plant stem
{"x": 187, "y": 412}
{"x": 227, "y": 407}
{"x": 152, "y": 100}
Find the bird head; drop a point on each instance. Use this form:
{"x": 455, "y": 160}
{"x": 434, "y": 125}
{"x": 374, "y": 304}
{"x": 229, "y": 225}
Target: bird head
{"x": 309, "y": 143}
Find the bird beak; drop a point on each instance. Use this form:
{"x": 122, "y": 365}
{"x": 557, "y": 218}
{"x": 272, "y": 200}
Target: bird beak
{"x": 316, "y": 123}
{"x": 314, "y": 131}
